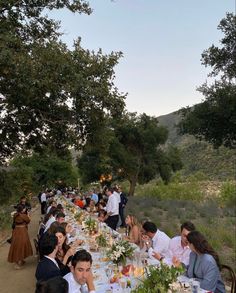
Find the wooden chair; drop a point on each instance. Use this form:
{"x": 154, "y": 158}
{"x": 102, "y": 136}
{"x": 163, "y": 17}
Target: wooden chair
{"x": 36, "y": 245}
{"x": 229, "y": 277}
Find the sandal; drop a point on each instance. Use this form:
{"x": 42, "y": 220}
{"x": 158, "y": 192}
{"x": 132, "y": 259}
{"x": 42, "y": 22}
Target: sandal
{"x": 17, "y": 267}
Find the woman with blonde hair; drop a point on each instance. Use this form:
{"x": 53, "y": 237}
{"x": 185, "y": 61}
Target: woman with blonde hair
{"x": 134, "y": 230}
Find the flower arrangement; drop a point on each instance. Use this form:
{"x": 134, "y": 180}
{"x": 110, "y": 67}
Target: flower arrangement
{"x": 79, "y": 217}
{"x": 119, "y": 251}
{"x": 101, "y": 240}
{"x": 159, "y": 279}
{"x": 90, "y": 225}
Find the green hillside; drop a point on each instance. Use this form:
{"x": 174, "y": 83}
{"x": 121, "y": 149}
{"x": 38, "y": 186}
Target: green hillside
{"x": 200, "y": 156}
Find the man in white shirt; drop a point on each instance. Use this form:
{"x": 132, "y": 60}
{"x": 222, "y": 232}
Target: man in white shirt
{"x": 51, "y": 219}
{"x": 179, "y": 250}
{"x": 158, "y": 249}
{"x": 112, "y": 209}
{"x": 117, "y": 193}
{"x": 80, "y": 279}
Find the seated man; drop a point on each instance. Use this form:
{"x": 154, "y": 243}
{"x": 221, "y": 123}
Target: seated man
{"x": 53, "y": 285}
{"x": 178, "y": 248}
{"x": 51, "y": 218}
{"x": 93, "y": 196}
{"x": 60, "y": 217}
{"x": 47, "y": 267}
{"x": 160, "y": 241}
{"x": 80, "y": 278}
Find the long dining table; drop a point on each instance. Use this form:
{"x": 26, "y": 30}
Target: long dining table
{"x": 108, "y": 278}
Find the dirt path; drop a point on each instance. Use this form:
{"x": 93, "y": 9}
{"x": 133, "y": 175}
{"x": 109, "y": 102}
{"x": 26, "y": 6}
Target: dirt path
{"x": 15, "y": 281}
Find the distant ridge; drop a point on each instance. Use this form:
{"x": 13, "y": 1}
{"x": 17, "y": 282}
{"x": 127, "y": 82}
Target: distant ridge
{"x": 200, "y": 156}
{"x": 170, "y": 121}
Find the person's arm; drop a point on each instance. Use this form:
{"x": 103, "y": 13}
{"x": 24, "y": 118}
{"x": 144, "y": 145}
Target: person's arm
{"x": 25, "y": 218}
{"x": 70, "y": 252}
{"x": 210, "y": 276}
{"x": 135, "y": 235}
{"x": 90, "y": 283}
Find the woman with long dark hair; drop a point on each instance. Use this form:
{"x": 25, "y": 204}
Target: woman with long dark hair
{"x": 204, "y": 264}
{"x": 65, "y": 252}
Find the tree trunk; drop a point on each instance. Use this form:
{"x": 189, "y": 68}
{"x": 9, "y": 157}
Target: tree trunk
{"x": 132, "y": 186}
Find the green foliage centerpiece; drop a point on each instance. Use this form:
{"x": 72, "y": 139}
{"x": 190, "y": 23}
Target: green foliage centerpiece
{"x": 119, "y": 251}
{"x": 79, "y": 217}
{"x": 101, "y": 240}
{"x": 90, "y": 225}
{"x": 159, "y": 279}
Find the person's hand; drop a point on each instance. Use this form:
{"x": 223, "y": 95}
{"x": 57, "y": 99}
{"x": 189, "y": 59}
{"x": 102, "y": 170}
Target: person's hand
{"x": 79, "y": 241}
{"x": 147, "y": 242}
{"x": 89, "y": 282}
{"x": 156, "y": 255}
{"x": 71, "y": 251}
{"x": 176, "y": 262}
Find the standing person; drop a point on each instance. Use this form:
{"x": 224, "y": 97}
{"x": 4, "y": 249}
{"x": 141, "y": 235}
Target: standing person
{"x": 20, "y": 244}
{"x": 81, "y": 275}
{"x": 178, "y": 248}
{"x": 26, "y": 205}
{"x": 43, "y": 202}
{"x": 112, "y": 209}
{"x": 204, "y": 264}
{"x": 122, "y": 204}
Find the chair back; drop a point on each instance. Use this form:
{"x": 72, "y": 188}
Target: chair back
{"x": 229, "y": 277}
{"x": 36, "y": 245}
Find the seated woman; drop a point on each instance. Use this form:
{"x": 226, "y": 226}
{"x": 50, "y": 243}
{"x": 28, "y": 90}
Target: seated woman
{"x": 65, "y": 252}
{"x": 52, "y": 203}
{"x": 134, "y": 230}
{"x": 204, "y": 263}
{"x": 79, "y": 202}
{"x": 102, "y": 215}
{"x": 70, "y": 232}
{"x": 101, "y": 205}
{"x": 20, "y": 244}
{"x": 92, "y": 207}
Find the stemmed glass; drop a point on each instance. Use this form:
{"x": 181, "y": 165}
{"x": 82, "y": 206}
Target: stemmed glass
{"x": 108, "y": 272}
{"x": 122, "y": 283}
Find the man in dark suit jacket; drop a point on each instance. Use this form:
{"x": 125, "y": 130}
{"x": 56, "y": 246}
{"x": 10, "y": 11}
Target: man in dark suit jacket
{"x": 122, "y": 204}
{"x": 47, "y": 267}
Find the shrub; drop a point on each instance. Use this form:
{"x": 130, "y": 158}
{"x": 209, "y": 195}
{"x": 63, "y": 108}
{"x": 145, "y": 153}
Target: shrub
{"x": 228, "y": 193}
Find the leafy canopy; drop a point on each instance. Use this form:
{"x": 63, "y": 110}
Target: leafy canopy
{"x": 50, "y": 95}
{"x": 129, "y": 147}
{"x": 215, "y": 118}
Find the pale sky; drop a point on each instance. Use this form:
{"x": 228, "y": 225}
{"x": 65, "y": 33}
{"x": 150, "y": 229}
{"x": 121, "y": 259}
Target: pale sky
{"x": 162, "y": 42}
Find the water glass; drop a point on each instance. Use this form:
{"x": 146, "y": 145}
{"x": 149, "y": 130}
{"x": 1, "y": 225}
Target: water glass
{"x": 195, "y": 285}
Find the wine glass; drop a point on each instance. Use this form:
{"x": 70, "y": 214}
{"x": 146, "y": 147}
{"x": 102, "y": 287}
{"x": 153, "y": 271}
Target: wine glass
{"x": 122, "y": 283}
{"x": 108, "y": 272}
